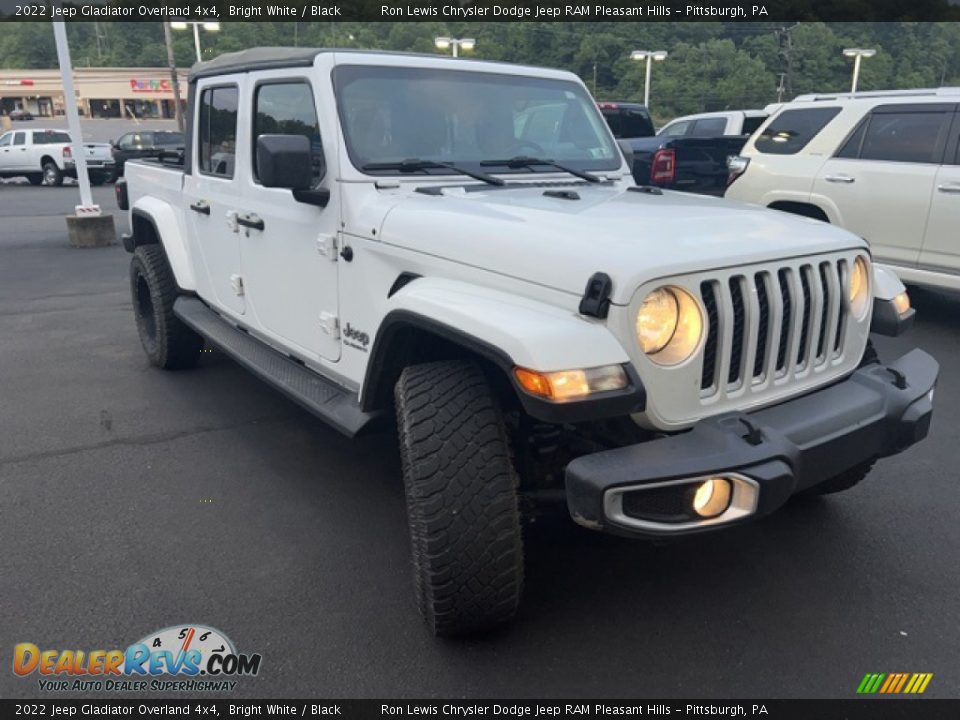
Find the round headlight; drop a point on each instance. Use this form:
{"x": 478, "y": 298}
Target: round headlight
{"x": 657, "y": 320}
{"x": 669, "y": 325}
{"x": 859, "y": 289}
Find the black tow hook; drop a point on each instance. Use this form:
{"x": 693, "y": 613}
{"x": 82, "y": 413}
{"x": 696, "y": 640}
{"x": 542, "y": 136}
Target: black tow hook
{"x": 753, "y": 436}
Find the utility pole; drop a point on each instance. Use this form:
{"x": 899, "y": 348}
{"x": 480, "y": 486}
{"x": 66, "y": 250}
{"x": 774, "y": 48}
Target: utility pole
{"x": 174, "y": 79}
{"x": 781, "y": 88}
{"x": 785, "y": 38}
{"x": 595, "y": 78}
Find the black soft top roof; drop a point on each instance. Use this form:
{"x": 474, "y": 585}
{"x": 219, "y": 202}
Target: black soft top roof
{"x": 259, "y": 58}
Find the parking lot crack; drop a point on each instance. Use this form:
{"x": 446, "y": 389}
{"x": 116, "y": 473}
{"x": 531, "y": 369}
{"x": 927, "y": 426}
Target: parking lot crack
{"x": 140, "y": 441}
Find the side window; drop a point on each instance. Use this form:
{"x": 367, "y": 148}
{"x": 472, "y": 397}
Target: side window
{"x": 709, "y": 127}
{"x": 20, "y": 138}
{"x": 912, "y": 137}
{"x": 126, "y": 141}
{"x": 287, "y": 108}
{"x": 676, "y": 129}
{"x": 217, "y": 131}
{"x": 6, "y": 139}
{"x": 792, "y": 130}
{"x": 851, "y": 148}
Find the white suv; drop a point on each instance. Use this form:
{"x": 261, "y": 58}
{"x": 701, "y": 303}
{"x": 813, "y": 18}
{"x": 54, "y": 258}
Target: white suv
{"x": 884, "y": 165}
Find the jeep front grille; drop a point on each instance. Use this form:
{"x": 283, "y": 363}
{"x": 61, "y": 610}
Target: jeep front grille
{"x": 775, "y": 323}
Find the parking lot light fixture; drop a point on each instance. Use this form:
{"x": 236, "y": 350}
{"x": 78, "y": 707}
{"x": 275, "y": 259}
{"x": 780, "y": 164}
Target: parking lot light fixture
{"x": 208, "y": 26}
{"x": 454, "y": 44}
{"x": 857, "y": 54}
{"x": 648, "y": 56}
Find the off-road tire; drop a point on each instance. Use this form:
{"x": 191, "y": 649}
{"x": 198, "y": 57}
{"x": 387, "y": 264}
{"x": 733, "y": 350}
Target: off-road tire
{"x": 52, "y": 175}
{"x": 461, "y": 492}
{"x": 35, "y": 178}
{"x": 168, "y": 343}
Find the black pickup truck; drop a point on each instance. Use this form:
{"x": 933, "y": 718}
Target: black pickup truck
{"x": 690, "y": 162}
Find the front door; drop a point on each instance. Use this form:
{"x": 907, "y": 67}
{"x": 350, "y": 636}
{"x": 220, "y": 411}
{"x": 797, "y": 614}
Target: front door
{"x": 6, "y": 154}
{"x": 211, "y": 192}
{"x": 882, "y": 178}
{"x": 941, "y": 246}
{"x": 290, "y": 261}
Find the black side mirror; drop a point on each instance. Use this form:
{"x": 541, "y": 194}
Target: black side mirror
{"x": 286, "y": 161}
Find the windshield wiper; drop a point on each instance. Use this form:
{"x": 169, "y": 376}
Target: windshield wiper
{"x": 522, "y": 161}
{"x": 417, "y": 165}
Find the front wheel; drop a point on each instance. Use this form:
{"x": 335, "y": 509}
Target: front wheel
{"x": 168, "y": 343}
{"x": 52, "y": 175}
{"x": 461, "y": 492}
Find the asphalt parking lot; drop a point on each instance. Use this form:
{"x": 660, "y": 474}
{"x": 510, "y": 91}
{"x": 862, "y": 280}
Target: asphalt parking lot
{"x": 133, "y": 499}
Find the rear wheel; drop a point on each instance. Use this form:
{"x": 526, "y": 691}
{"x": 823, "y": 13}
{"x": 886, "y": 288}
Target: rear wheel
{"x": 97, "y": 179}
{"x": 461, "y": 491}
{"x": 168, "y": 343}
{"x": 52, "y": 176}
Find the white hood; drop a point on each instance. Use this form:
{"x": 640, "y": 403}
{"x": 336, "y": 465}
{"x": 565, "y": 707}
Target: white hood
{"x": 633, "y": 237}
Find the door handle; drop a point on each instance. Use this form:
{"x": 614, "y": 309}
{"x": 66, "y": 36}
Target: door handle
{"x": 951, "y": 189}
{"x": 250, "y": 220}
{"x": 846, "y": 179}
{"x": 200, "y": 207}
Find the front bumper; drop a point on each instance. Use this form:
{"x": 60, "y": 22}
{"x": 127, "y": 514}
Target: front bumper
{"x": 877, "y": 411}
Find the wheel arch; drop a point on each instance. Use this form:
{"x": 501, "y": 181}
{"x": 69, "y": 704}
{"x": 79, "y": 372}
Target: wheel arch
{"x": 434, "y": 319}
{"x": 147, "y": 216}
{"x": 804, "y": 209}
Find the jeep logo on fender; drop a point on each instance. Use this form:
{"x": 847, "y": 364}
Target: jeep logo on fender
{"x": 353, "y": 334}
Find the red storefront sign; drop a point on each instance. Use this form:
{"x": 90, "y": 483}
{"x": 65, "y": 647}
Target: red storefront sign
{"x": 150, "y": 86}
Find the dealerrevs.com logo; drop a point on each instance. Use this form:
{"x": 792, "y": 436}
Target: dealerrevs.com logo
{"x": 186, "y": 657}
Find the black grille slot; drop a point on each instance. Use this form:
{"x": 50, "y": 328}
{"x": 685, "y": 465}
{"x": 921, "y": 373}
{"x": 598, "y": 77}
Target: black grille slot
{"x": 841, "y": 305}
{"x": 805, "y": 320}
{"x": 709, "y": 296}
{"x": 736, "y": 351}
{"x": 762, "y": 323}
{"x": 825, "y": 311}
{"x": 786, "y": 326}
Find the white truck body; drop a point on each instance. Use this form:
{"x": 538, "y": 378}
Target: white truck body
{"x": 48, "y": 154}
{"x": 713, "y": 124}
{"x": 360, "y": 254}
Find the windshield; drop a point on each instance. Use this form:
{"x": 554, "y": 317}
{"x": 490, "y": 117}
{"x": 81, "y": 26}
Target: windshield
{"x": 394, "y": 114}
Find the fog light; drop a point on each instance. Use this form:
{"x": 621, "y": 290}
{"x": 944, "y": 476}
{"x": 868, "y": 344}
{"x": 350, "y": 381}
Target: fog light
{"x": 712, "y": 497}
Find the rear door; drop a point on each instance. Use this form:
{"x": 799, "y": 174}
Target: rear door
{"x": 290, "y": 263}
{"x": 212, "y": 191}
{"x": 941, "y": 245}
{"x": 881, "y": 178}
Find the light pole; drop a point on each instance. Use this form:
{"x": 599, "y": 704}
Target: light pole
{"x": 857, "y": 54}
{"x": 648, "y": 55}
{"x": 454, "y": 44}
{"x": 208, "y": 26}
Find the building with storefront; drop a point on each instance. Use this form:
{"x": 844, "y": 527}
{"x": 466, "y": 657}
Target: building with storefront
{"x": 101, "y": 92}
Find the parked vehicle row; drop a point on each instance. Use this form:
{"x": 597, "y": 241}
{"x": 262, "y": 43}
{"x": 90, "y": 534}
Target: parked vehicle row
{"x": 689, "y": 153}
{"x": 884, "y": 165}
{"x": 46, "y": 156}
{"x": 461, "y": 245}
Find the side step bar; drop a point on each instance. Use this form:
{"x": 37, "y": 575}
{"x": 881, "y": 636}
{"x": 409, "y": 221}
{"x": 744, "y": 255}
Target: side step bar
{"x": 325, "y": 399}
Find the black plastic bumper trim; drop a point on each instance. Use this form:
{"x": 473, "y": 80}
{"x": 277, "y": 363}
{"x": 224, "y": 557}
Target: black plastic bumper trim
{"x": 887, "y": 321}
{"x": 803, "y": 442}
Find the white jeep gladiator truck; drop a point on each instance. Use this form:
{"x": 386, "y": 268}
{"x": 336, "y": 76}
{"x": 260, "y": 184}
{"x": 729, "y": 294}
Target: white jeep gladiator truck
{"x": 384, "y": 235}
{"x": 46, "y": 157}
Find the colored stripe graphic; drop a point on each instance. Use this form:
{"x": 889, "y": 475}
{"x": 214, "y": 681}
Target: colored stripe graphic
{"x": 894, "y": 683}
